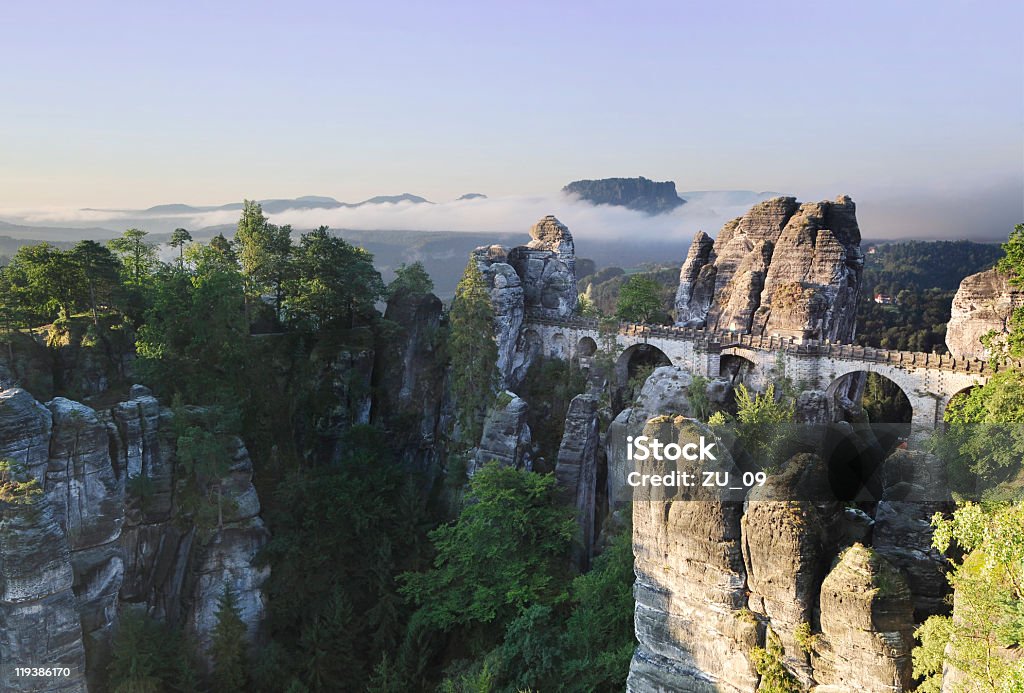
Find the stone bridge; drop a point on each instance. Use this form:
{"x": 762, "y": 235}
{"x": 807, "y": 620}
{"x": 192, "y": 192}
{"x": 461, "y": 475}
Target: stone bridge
{"x": 929, "y": 381}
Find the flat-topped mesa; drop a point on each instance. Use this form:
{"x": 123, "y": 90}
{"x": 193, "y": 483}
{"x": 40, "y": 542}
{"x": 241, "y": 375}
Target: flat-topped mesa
{"x": 783, "y": 269}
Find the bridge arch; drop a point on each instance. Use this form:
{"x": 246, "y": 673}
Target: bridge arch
{"x": 637, "y": 357}
{"x": 586, "y": 347}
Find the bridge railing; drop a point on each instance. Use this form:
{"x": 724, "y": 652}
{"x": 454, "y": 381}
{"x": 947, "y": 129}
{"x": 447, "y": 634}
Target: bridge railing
{"x": 719, "y": 339}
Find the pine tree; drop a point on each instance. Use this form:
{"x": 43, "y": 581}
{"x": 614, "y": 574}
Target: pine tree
{"x": 228, "y": 648}
{"x": 474, "y": 352}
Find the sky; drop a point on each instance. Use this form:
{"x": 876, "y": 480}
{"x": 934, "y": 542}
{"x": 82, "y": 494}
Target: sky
{"x": 915, "y": 109}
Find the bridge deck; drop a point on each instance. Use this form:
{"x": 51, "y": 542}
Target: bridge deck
{"x": 715, "y": 340}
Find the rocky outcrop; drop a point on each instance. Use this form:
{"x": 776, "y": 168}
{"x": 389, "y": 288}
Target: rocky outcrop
{"x": 866, "y": 625}
{"x": 665, "y": 392}
{"x": 106, "y": 532}
{"x": 639, "y": 194}
{"x": 784, "y": 268}
{"x": 547, "y": 267}
{"x": 984, "y": 303}
{"x": 506, "y": 436}
{"x": 576, "y": 469}
{"x": 690, "y": 586}
{"x": 915, "y": 489}
{"x": 786, "y": 551}
{"x": 540, "y": 277}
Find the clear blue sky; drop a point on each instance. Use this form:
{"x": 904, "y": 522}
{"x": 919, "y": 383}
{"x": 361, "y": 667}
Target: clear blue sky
{"x": 132, "y": 104}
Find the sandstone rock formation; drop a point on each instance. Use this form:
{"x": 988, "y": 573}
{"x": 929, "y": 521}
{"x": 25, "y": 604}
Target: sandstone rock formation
{"x": 665, "y": 392}
{"x": 89, "y": 545}
{"x": 984, "y": 303}
{"x": 540, "y": 277}
{"x": 506, "y": 436}
{"x": 866, "y": 625}
{"x": 576, "y": 469}
{"x": 784, "y": 268}
{"x": 691, "y": 580}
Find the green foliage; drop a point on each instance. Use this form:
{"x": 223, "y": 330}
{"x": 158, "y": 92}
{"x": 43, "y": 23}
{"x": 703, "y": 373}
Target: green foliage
{"x": 989, "y": 611}
{"x": 265, "y": 253}
{"x": 762, "y": 426}
{"x": 179, "y": 239}
{"x": 203, "y": 459}
{"x": 586, "y": 308}
{"x": 410, "y": 279}
{"x": 603, "y": 289}
{"x": 697, "y": 395}
{"x": 922, "y": 277}
{"x": 334, "y": 284}
{"x": 230, "y": 663}
{"x": 341, "y": 533}
{"x": 884, "y": 401}
{"x": 150, "y": 657}
{"x": 474, "y": 352}
{"x": 195, "y": 340}
{"x": 138, "y": 256}
{"x": 805, "y": 638}
{"x": 15, "y": 488}
{"x": 984, "y": 440}
{"x": 639, "y": 300}
{"x": 508, "y": 550}
{"x": 775, "y": 678}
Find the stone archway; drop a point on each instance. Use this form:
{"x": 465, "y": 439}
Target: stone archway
{"x": 874, "y": 416}
{"x": 585, "y": 350}
{"x": 738, "y": 369}
{"x": 636, "y": 359}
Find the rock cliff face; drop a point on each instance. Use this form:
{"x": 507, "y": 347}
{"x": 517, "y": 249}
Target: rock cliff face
{"x": 784, "y": 268}
{"x": 984, "y": 302}
{"x": 539, "y": 276}
{"x": 640, "y": 194}
{"x": 576, "y": 469}
{"x": 506, "y": 436}
{"x": 690, "y": 579}
{"x": 89, "y": 546}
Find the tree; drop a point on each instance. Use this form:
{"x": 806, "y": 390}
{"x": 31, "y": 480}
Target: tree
{"x": 334, "y": 283}
{"x": 149, "y": 657}
{"x": 179, "y": 239}
{"x": 46, "y": 281}
{"x": 474, "y": 352}
{"x": 137, "y": 255}
{"x": 988, "y": 630}
{"x": 265, "y": 251}
{"x": 410, "y": 279}
{"x": 512, "y": 514}
{"x": 228, "y": 647}
{"x": 101, "y": 271}
{"x": 639, "y": 300}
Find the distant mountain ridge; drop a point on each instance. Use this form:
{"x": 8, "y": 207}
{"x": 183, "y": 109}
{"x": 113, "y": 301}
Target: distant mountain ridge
{"x": 639, "y": 194}
{"x": 271, "y": 206}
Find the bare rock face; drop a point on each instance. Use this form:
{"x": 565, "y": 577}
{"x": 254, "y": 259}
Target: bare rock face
{"x": 696, "y": 282}
{"x": 547, "y": 266}
{"x": 984, "y": 303}
{"x": 87, "y": 547}
{"x": 576, "y": 469}
{"x": 784, "y": 268}
{"x": 506, "y": 436}
{"x": 539, "y": 276}
{"x": 690, "y": 587}
{"x": 785, "y": 549}
{"x": 867, "y": 625}
{"x": 506, "y": 289}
